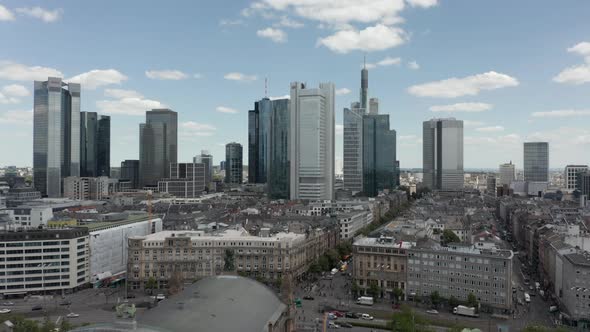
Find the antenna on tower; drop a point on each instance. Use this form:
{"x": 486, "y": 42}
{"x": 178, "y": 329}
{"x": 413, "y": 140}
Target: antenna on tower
{"x": 265, "y": 87}
{"x": 365, "y": 61}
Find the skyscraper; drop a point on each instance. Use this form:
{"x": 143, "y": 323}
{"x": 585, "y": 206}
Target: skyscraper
{"x": 312, "y": 141}
{"x": 56, "y": 134}
{"x": 571, "y": 175}
{"x": 253, "y": 143}
{"x": 259, "y": 122}
{"x": 373, "y": 106}
{"x": 507, "y": 174}
{"x": 233, "y": 163}
{"x": 278, "y": 162}
{"x": 443, "y": 154}
{"x": 536, "y": 161}
{"x": 158, "y": 145}
{"x": 95, "y": 144}
{"x": 379, "y": 154}
{"x": 207, "y": 160}
{"x": 364, "y": 87}
{"x": 130, "y": 172}
{"x": 353, "y": 148}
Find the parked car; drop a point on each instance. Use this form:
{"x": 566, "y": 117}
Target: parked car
{"x": 160, "y": 297}
{"x": 432, "y": 311}
{"x": 308, "y": 297}
{"x": 366, "y": 317}
{"x": 72, "y": 315}
{"x": 352, "y": 315}
{"x": 337, "y": 313}
{"x": 345, "y": 324}
{"x": 37, "y": 307}
{"x": 331, "y": 316}
{"x": 332, "y": 325}
{"x": 5, "y": 311}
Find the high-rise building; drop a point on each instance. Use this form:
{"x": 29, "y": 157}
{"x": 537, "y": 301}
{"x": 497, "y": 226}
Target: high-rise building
{"x": 364, "y": 94}
{"x": 507, "y": 174}
{"x": 253, "y": 144}
{"x": 187, "y": 180}
{"x": 373, "y": 106}
{"x": 536, "y": 161}
{"x": 233, "y": 163}
{"x": 206, "y": 159}
{"x": 379, "y": 154}
{"x": 571, "y": 175}
{"x": 130, "y": 172}
{"x": 353, "y": 148}
{"x": 222, "y": 165}
{"x": 158, "y": 146}
{"x": 443, "y": 154}
{"x": 95, "y": 144}
{"x": 491, "y": 184}
{"x": 278, "y": 162}
{"x": 56, "y": 134}
{"x": 312, "y": 141}
{"x": 583, "y": 183}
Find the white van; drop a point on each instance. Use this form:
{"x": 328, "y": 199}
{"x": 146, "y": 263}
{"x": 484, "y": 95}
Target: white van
{"x": 366, "y": 317}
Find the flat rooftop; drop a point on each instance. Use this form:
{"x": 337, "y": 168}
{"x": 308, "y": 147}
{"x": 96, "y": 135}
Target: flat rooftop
{"x": 226, "y": 234}
{"x": 384, "y": 242}
{"x": 100, "y": 225}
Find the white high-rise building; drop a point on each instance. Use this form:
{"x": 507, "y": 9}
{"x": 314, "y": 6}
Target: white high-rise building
{"x": 353, "y": 148}
{"x": 571, "y": 175}
{"x": 507, "y": 174}
{"x": 443, "y": 154}
{"x": 311, "y": 147}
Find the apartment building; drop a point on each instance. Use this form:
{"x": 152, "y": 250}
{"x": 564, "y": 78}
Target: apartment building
{"x": 575, "y": 293}
{"x": 352, "y": 222}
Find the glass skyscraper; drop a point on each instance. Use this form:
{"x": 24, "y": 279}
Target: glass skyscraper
{"x": 536, "y": 161}
{"x": 130, "y": 172}
{"x": 353, "y": 148}
{"x": 95, "y": 144}
{"x": 253, "y": 144}
{"x": 278, "y": 162}
{"x": 158, "y": 146}
{"x": 233, "y": 163}
{"x": 207, "y": 160}
{"x": 259, "y": 140}
{"x": 56, "y": 134}
{"x": 443, "y": 154}
{"x": 379, "y": 154}
{"x": 103, "y": 146}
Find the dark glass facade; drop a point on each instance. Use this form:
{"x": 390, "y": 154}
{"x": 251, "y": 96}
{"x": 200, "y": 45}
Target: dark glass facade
{"x": 103, "y": 146}
{"x": 95, "y": 144}
{"x": 56, "y": 134}
{"x": 278, "y": 166}
{"x": 130, "y": 172}
{"x": 253, "y": 143}
{"x": 259, "y": 140}
{"x": 379, "y": 154}
{"x": 158, "y": 146}
{"x": 536, "y": 161}
{"x": 233, "y": 163}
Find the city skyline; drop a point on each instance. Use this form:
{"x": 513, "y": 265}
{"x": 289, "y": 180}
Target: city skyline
{"x": 502, "y": 100}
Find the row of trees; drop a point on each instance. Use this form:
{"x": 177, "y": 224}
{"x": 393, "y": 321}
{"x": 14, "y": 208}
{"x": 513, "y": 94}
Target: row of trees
{"x": 387, "y": 217}
{"x": 436, "y": 300}
{"x": 25, "y": 325}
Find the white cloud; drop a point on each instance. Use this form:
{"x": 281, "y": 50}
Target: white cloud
{"x": 223, "y": 109}
{"x": 422, "y": 3}
{"x": 16, "y": 117}
{"x": 288, "y": 23}
{"x": 490, "y": 129}
{"x": 280, "y": 97}
{"x": 466, "y": 86}
{"x": 191, "y": 128}
{"x": 388, "y": 61}
{"x": 276, "y": 35}
{"x": 6, "y": 14}
{"x": 18, "y": 72}
{"x": 165, "y": 75}
{"x": 126, "y": 102}
{"x": 561, "y": 113}
{"x": 10, "y": 94}
{"x": 413, "y": 65}
{"x": 235, "y": 76}
{"x": 228, "y": 22}
{"x": 97, "y": 78}
{"x": 342, "y": 91}
{"x": 462, "y": 107}
{"x": 582, "y": 49}
{"x": 579, "y": 74}
{"x": 44, "y": 15}
{"x": 339, "y": 129}
{"x": 469, "y": 123}
{"x": 4, "y": 99}
{"x": 373, "y": 38}
{"x": 369, "y": 65}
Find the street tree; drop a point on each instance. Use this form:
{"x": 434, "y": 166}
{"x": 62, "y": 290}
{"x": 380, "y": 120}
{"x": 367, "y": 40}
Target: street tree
{"x": 435, "y": 298}
{"x": 450, "y": 237}
{"x": 151, "y": 284}
{"x": 398, "y": 293}
{"x": 472, "y": 300}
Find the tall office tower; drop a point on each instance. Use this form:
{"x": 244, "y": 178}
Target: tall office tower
{"x": 253, "y": 144}
{"x": 364, "y": 87}
{"x": 158, "y": 145}
{"x": 491, "y": 185}
{"x": 206, "y": 159}
{"x": 507, "y": 174}
{"x": 56, "y": 134}
{"x": 312, "y": 142}
{"x": 379, "y": 154}
{"x": 571, "y": 175}
{"x": 233, "y": 163}
{"x": 442, "y": 150}
{"x": 278, "y": 161}
{"x": 353, "y": 148}
{"x": 373, "y": 106}
{"x": 95, "y": 144}
{"x": 536, "y": 161}
{"x": 583, "y": 183}
{"x": 130, "y": 172}
{"x": 397, "y": 170}
{"x": 259, "y": 140}
{"x": 222, "y": 165}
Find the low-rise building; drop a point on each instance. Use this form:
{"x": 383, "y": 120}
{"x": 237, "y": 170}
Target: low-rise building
{"x": 575, "y": 293}
{"x": 83, "y": 188}
{"x": 33, "y": 216}
{"x": 352, "y": 222}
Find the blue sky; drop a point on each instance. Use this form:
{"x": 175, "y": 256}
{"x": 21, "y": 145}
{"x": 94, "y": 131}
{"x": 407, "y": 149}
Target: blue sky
{"x": 513, "y": 70}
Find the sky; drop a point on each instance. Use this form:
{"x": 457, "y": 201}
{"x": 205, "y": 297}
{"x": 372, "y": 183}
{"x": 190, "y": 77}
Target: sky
{"x": 514, "y": 71}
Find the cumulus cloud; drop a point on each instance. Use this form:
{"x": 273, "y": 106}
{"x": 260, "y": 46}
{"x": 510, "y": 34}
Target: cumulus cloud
{"x": 388, "y": 61}
{"x": 191, "y": 128}
{"x": 561, "y": 113}
{"x": 44, "y": 15}
{"x": 413, "y": 65}
{"x": 288, "y": 23}
{"x": 582, "y": 49}
{"x": 126, "y": 102}
{"x": 576, "y": 74}
{"x": 422, "y": 3}
{"x": 462, "y": 107}
{"x": 165, "y": 75}
{"x": 276, "y": 35}
{"x": 280, "y": 97}
{"x": 466, "y": 86}
{"x": 19, "y": 72}
{"x": 16, "y": 117}
{"x": 342, "y": 91}
{"x": 98, "y": 77}
{"x": 490, "y": 129}
{"x": 6, "y": 14}
{"x": 223, "y": 109}
{"x": 374, "y": 38}
{"x": 236, "y": 76}
{"x": 10, "y": 94}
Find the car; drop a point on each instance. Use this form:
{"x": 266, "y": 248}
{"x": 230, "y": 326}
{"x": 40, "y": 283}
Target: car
{"x": 332, "y": 325}
{"x": 37, "y": 307}
{"x": 432, "y": 311}
{"x": 331, "y": 316}
{"x": 66, "y": 302}
{"x": 160, "y": 297}
{"x": 72, "y": 315}
{"x": 366, "y": 317}
{"x": 351, "y": 315}
{"x": 345, "y": 324}
{"x": 9, "y": 304}
{"x": 5, "y": 311}
{"x": 337, "y": 313}
{"x": 308, "y": 297}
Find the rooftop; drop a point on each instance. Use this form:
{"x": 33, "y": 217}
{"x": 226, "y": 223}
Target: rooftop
{"x": 226, "y": 234}
{"x": 579, "y": 258}
{"x": 384, "y": 242}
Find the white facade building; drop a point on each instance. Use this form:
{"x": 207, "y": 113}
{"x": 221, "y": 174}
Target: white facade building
{"x": 31, "y": 216}
{"x": 312, "y": 142}
{"x": 507, "y": 174}
{"x": 571, "y": 176}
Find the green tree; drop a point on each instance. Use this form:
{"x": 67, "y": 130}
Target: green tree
{"x": 333, "y": 258}
{"x": 374, "y": 289}
{"x": 65, "y": 325}
{"x": 355, "y": 288}
{"x": 229, "y": 260}
{"x": 151, "y": 284}
{"x": 398, "y": 293}
{"x": 48, "y": 325}
{"x": 435, "y": 298}
{"x": 450, "y": 237}
{"x": 472, "y": 300}
{"x": 453, "y": 302}
{"x": 324, "y": 263}
{"x": 407, "y": 321}
{"x": 314, "y": 268}
{"x": 344, "y": 248}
